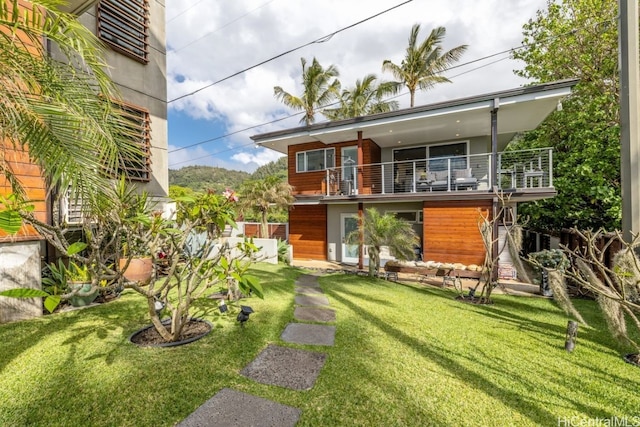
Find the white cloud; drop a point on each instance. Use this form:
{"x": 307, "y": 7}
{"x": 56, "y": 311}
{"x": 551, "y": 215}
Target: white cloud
{"x": 213, "y": 40}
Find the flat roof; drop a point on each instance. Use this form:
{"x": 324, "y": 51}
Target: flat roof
{"x": 520, "y": 109}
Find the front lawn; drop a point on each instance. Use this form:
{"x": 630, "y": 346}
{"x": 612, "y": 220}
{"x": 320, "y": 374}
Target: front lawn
{"x": 404, "y": 355}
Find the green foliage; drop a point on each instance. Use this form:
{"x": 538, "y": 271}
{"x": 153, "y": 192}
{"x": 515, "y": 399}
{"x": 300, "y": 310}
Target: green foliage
{"x": 283, "y": 249}
{"x": 10, "y": 207}
{"x": 262, "y": 196}
{"x": 550, "y": 258}
{"x": 205, "y": 178}
{"x": 385, "y": 230}
{"x": 424, "y": 61}
{"x": 320, "y": 88}
{"x": 277, "y": 168}
{"x": 365, "y": 98}
{"x": 577, "y": 39}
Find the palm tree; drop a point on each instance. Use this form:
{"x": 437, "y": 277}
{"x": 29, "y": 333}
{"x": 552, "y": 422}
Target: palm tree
{"x": 385, "y": 230}
{"x": 263, "y": 195}
{"x": 318, "y": 90}
{"x": 423, "y": 62}
{"x": 58, "y": 110}
{"x": 364, "y": 99}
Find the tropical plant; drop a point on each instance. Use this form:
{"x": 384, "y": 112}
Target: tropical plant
{"x": 379, "y": 230}
{"x": 320, "y": 87}
{"x": 263, "y": 196}
{"x": 423, "y": 62}
{"x": 365, "y": 98}
{"x": 57, "y": 109}
{"x": 577, "y": 39}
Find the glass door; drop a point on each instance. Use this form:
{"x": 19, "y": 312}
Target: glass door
{"x": 349, "y": 224}
{"x": 349, "y": 182}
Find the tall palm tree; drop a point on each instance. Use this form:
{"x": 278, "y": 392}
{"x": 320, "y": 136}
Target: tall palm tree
{"x": 318, "y": 90}
{"x": 363, "y": 99}
{"x": 263, "y": 195}
{"x": 385, "y": 230}
{"x": 423, "y": 62}
{"x": 58, "y": 110}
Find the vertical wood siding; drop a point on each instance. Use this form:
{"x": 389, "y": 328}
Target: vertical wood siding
{"x": 451, "y": 232}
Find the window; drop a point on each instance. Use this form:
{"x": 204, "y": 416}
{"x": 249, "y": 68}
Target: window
{"x": 137, "y": 166}
{"x": 315, "y": 160}
{"x": 439, "y": 156}
{"x": 124, "y": 25}
{"x": 412, "y": 217}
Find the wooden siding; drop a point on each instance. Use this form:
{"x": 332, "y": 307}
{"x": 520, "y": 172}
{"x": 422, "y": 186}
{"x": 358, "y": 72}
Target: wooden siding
{"x": 451, "y": 232}
{"x": 308, "y": 183}
{"x": 308, "y": 232}
{"x": 276, "y": 231}
{"x": 372, "y": 155}
{"x": 16, "y": 159}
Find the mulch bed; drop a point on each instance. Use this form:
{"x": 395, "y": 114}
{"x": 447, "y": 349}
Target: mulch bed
{"x": 193, "y": 330}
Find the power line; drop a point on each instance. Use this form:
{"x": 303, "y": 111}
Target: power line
{"x": 392, "y": 97}
{"x": 185, "y": 11}
{"x": 320, "y": 40}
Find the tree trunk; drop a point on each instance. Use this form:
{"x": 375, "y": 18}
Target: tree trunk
{"x": 264, "y": 226}
{"x": 151, "y": 303}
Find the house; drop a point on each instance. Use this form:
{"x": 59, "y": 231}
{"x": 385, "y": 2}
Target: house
{"x": 438, "y": 166}
{"x": 134, "y": 34}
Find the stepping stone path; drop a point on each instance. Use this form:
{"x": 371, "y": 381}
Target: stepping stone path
{"x": 277, "y": 365}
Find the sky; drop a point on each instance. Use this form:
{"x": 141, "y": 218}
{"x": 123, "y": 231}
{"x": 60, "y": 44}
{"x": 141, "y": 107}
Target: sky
{"x": 211, "y": 42}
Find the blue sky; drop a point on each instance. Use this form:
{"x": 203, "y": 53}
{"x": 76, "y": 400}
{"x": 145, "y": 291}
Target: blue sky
{"x": 210, "y": 40}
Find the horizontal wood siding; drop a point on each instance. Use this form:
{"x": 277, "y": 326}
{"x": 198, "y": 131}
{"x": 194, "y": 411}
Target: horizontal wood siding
{"x": 29, "y": 176}
{"x": 308, "y": 232}
{"x": 276, "y": 231}
{"x": 451, "y": 232}
{"x": 307, "y": 183}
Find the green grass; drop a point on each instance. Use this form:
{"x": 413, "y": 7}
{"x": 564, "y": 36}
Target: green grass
{"x": 404, "y": 356}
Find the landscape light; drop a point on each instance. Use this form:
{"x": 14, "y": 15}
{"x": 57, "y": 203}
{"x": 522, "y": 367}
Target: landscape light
{"x": 243, "y": 316}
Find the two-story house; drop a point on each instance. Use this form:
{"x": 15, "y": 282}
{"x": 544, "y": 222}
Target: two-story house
{"x": 438, "y": 166}
{"x": 134, "y": 34}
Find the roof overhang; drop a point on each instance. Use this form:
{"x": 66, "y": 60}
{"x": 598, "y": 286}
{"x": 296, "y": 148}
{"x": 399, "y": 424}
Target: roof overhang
{"x": 519, "y": 110}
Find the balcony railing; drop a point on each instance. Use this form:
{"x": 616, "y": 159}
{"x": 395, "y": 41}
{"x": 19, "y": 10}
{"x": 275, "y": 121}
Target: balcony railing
{"x": 516, "y": 170}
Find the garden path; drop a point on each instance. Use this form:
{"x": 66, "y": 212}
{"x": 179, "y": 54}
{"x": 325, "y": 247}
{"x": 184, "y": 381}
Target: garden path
{"x": 287, "y": 367}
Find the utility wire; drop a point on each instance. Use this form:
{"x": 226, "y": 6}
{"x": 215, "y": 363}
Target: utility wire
{"x": 320, "y": 40}
{"x": 392, "y": 97}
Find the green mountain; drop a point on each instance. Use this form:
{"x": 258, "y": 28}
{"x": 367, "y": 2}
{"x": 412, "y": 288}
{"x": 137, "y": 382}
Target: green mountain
{"x": 203, "y": 178}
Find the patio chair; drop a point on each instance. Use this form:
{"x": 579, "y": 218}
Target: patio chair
{"x": 463, "y": 178}
{"x": 438, "y": 180}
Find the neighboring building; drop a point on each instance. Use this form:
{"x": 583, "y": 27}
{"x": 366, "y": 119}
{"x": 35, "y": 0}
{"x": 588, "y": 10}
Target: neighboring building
{"x": 438, "y": 166}
{"x": 134, "y": 33}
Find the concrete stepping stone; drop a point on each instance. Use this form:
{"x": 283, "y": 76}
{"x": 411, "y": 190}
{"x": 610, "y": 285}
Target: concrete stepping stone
{"x": 311, "y": 300}
{"x": 309, "y": 290}
{"x": 286, "y": 367}
{"x": 304, "y": 333}
{"x": 308, "y": 280}
{"x": 233, "y": 408}
{"x": 315, "y": 314}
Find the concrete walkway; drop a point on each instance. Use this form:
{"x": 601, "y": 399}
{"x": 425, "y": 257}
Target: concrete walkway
{"x": 281, "y": 366}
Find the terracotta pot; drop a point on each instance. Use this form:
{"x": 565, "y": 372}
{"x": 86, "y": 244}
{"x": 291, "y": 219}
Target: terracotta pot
{"x": 139, "y": 269}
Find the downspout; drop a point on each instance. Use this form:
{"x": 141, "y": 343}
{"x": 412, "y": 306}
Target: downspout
{"x": 494, "y": 188}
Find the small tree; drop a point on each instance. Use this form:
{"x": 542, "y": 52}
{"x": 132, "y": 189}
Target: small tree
{"x": 489, "y": 226}
{"x": 261, "y": 196}
{"x": 384, "y": 230}
{"x": 617, "y": 288}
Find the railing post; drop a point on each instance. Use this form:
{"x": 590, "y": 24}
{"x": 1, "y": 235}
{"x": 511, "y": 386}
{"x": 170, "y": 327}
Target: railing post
{"x": 550, "y": 167}
{"x": 382, "y": 176}
{"x": 449, "y": 174}
{"x": 327, "y": 183}
{"x": 413, "y": 177}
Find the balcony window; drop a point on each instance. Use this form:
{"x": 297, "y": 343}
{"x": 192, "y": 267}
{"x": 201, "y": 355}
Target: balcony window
{"x": 439, "y": 155}
{"x": 315, "y": 160}
{"x": 124, "y": 25}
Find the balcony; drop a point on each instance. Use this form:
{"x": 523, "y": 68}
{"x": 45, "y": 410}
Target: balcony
{"x": 525, "y": 170}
